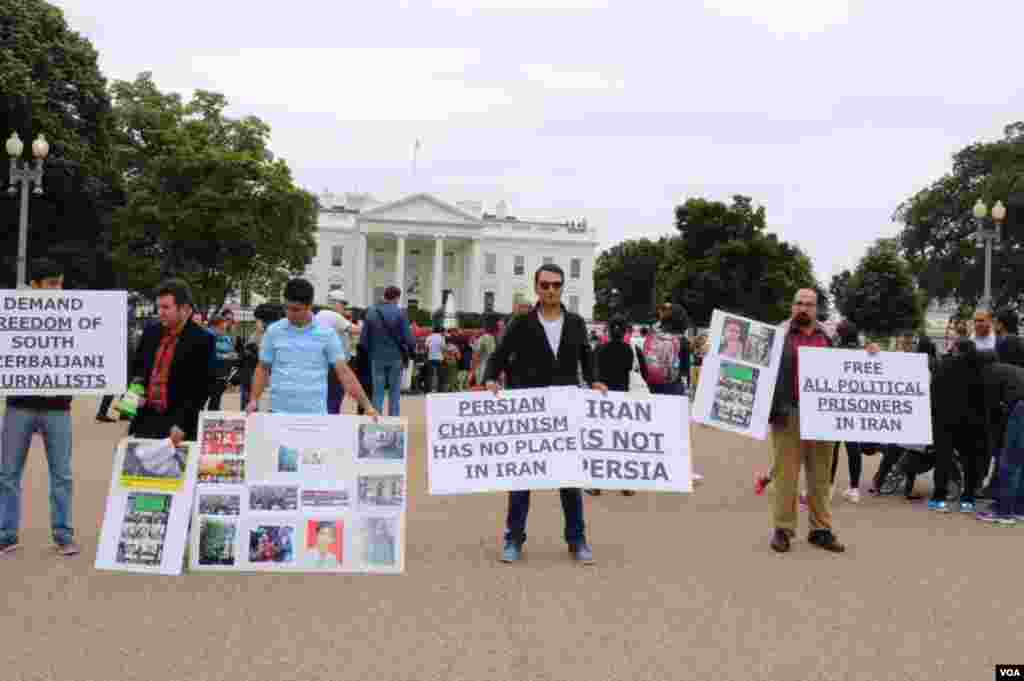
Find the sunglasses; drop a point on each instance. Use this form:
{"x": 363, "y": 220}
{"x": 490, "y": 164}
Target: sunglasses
{"x": 545, "y": 285}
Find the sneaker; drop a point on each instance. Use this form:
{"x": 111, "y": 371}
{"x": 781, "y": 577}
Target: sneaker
{"x": 582, "y": 553}
{"x": 995, "y": 518}
{"x": 628, "y": 493}
{"x": 68, "y": 549}
{"x": 593, "y": 492}
{"x": 512, "y": 552}
{"x": 696, "y": 478}
{"x": 940, "y": 506}
{"x": 852, "y": 495}
{"x": 826, "y": 540}
{"x": 968, "y": 507}
{"x": 8, "y": 547}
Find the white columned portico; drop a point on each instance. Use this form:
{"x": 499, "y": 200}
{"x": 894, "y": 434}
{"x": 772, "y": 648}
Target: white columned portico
{"x": 359, "y": 284}
{"x": 437, "y": 283}
{"x": 400, "y": 268}
{"x": 473, "y": 295}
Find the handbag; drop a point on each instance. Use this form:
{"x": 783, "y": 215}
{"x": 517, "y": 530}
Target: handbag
{"x": 637, "y": 384}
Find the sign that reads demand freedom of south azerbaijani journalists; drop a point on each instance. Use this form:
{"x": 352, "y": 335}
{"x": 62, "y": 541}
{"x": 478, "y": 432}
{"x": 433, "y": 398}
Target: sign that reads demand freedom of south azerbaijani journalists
{"x": 521, "y": 439}
{"x": 852, "y": 396}
{"x": 63, "y": 342}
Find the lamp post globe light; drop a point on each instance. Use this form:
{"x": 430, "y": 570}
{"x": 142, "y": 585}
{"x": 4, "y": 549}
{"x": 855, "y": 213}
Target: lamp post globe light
{"x": 25, "y": 174}
{"x": 987, "y": 237}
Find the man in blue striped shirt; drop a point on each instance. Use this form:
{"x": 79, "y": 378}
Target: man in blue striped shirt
{"x": 298, "y": 353}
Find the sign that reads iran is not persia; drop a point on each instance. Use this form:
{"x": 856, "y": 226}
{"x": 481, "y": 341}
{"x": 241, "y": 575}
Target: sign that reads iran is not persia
{"x": 63, "y": 342}
{"x": 519, "y": 440}
{"x": 853, "y": 396}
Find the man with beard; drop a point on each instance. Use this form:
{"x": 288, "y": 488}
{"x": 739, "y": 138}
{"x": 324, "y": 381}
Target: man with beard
{"x": 789, "y": 449}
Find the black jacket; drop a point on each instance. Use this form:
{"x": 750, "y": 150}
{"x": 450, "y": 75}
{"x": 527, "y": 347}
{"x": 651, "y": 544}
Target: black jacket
{"x": 190, "y": 375}
{"x": 784, "y": 400}
{"x": 1011, "y": 350}
{"x": 526, "y": 358}
{"x": 613, "y": 363}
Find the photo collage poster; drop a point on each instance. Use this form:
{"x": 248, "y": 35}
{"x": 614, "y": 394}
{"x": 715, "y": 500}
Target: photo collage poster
{"x": 737, "y": 380}
{"x": 145, "y": 525}
{"x": 318, "y": 494}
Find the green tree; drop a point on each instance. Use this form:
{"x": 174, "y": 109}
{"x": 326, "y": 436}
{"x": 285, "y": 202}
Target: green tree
{"x": 631, "y": 268}
{"x": 880, "y": 296}
{"x": 51, "y": 84}
{"x": 938, "y": 223}
{"x": 206, "y": 200}
{"x": 725, "y": 260}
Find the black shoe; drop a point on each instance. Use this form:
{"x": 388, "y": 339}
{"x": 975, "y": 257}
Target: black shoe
{"x": 826, "y": 540}
{"x": 593, "y": 492}
{"x": 780, "y": 541}
{"x": 628, "y": 493}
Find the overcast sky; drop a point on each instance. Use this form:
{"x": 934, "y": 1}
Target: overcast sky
{"x": 827, "y": 112}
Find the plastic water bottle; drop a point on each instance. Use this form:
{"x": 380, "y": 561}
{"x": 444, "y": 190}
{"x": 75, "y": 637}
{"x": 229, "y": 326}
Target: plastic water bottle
{"x": 130, "y": 400}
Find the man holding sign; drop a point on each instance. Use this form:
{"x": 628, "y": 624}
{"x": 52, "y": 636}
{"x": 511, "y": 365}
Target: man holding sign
{"x": 547, "y": 347}
{"x": 790, "y": 451}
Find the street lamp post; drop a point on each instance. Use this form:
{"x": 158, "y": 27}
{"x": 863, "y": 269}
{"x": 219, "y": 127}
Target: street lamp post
{"x": 988, "y": 237}
{"x": 25, "y": 175}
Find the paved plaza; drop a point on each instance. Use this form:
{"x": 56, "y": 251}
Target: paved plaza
{"x": 685, "y": 587}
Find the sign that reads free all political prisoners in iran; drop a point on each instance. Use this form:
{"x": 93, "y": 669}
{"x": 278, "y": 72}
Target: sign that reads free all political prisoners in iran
{"x": 63, "y": 342}
{"x": 852, "y": 396}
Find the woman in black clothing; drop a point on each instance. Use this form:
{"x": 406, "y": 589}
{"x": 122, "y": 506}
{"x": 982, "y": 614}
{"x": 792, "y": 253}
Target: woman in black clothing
{"x": 848, "y": 337}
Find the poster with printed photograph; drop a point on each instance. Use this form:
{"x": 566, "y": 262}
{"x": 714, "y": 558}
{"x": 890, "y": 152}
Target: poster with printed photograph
{"x": 312, "y": 485}
{"x": 145, "y": 524}
{"x": 222, "y": 448}
{"x": 737, "y": 379}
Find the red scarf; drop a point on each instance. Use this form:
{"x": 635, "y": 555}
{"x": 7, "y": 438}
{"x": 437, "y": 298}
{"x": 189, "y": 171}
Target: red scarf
{"x": 156, "y": 396}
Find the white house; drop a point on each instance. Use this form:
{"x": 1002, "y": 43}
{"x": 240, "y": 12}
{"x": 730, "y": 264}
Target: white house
{"x": 428, "y": 248}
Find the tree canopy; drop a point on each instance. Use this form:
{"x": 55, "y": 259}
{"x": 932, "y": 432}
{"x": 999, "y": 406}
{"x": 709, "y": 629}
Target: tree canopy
{"x": 880, "y": 296}
{"x": 938, "y": 223}
{"x": 631, "y": 268}
{"x": 206, "y": 200}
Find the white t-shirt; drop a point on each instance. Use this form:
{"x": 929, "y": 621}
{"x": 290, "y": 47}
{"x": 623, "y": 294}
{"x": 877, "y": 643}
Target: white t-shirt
{"x": 553, "y": 330}
{"x": 985, "y": 342}
{"x": 435, "y": 347}
{"x": 329, "y": 319}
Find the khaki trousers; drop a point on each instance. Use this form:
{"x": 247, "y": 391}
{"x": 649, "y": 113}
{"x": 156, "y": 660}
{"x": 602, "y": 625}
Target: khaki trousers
{"x": 789, "y": 452}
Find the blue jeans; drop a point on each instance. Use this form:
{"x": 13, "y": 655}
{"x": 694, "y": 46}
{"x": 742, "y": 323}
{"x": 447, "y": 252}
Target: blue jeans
{"x": 19, "y": 426}
{"x": 335, "y": 392}
{"x": 572, "y": 508}
{"x": 388, "y": 374}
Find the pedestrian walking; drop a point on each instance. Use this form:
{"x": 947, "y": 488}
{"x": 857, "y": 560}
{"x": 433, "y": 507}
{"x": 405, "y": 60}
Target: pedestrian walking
{"x": 387, "y": 337}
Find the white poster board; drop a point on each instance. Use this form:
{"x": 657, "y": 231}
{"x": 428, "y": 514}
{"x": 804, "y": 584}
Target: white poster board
{"x": 737, "y": 380}
{"x": 145, "y": 526}
{"x": 320, "y": 494}
{"x": 55, "y": 342}
{"x": 636, "y": 442}
{"x": 852, "y": 396}
{"x": 519, "y": 440}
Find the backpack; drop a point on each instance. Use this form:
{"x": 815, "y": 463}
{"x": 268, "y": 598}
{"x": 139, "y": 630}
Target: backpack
{"x": 661, "y": 355}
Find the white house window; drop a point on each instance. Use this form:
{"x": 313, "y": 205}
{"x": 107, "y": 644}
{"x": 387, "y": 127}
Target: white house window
{"x": 488, "y": 301}
{"x": 491, "y": 263}
{"x": 575, "y": 265}
{"x": 574, "y": 304}
{"x": 549, "y": 260}
{"x": 378, "y": 294}
{"x": 519, "y": 266}
{"x": 337, "y": 255}
{"x": 380, "y": 260}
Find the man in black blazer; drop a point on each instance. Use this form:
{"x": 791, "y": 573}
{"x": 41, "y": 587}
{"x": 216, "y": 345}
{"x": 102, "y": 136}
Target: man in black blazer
{"x": 547, "y": 347}
{"x": 173, "y": 361}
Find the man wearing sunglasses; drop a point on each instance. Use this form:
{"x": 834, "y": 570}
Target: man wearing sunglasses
{"x": 546, "y": 347}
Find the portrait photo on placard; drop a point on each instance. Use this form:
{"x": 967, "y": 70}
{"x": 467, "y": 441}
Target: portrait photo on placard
{"x": 758, "y": 347}
{"x": 217, "y": 541}
{"x": 734, "y": 394}
{"x": 734, "y": 337}
{"x": 324, "y": 541}
{"x": 144, "y": 529}
{"x": 382, "y": 441}
{"x": 272, "y": 544}
{"x": 220, "y": 504}
{"x": 380, "y": 541}
{"x": 381, "y": 491}
{"x": 273, "y": 498}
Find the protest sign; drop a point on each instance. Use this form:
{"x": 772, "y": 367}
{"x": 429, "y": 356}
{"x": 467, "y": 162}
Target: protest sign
{"x": 737, "y": 380}
{"x": 635, "y": 442}
{"x": 852, "y": 396}
{"x": 311, "y": 494}
{"x": 145, "y": 525}
{"x": 55, "y": 342}
{"x": 222, "y": 448}
{"x": 521, "y": 439}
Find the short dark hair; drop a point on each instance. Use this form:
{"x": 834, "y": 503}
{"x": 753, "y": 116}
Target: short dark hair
{"x": 392, "y": 293}
{"x": 298, "y": 291}
{"x": 44, "y": 268}
{"x": 177, "y": 289}
{"x": 1009, "y": 319}
{"x": 548, "y": 267}
{"x": 268, "y": 313}
{"x": 848, "y": 332}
